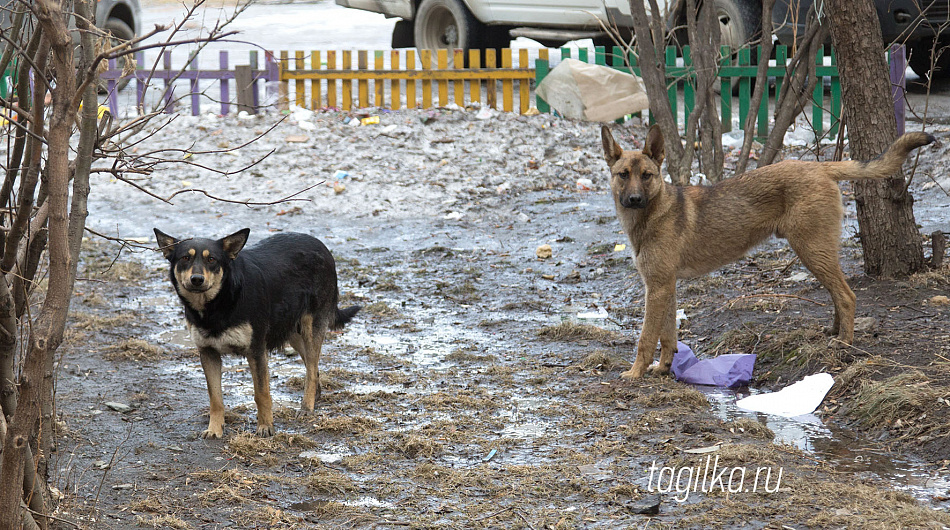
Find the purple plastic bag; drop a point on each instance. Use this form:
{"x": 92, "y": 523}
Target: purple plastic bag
{"x": 730, "y": 370}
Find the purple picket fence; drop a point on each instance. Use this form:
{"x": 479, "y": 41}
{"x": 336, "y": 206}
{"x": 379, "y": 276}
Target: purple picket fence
{"x": 145, "y": 77}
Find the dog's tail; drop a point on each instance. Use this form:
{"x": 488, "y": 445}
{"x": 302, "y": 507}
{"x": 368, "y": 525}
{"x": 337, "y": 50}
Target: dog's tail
{"x": 888, "y": 163}
{"x": 343, "y": 316}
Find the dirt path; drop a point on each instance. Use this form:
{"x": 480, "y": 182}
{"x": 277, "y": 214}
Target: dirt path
{"x": 468, "y": 393}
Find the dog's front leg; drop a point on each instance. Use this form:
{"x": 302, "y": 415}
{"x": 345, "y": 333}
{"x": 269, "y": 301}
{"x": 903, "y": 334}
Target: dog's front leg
{"x": 257, "y": 362}
{"x": 211, "y": 365}
{"x": 660, "y": 296}
{"x": 667, "y": 339}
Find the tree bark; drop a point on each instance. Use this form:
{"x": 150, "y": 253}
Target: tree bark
{"x": 650, "y": 49}
{"x": 892, "y": 244}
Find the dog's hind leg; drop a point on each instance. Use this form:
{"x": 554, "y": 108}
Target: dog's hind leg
{"x": 257, "y": 362}
{"x": 660, "y": 296}
{"x": 821, "y": 258}
{"x": 309, "y": 343}
{"x": 211, "y": 366}
{"x": 667, "y": 340}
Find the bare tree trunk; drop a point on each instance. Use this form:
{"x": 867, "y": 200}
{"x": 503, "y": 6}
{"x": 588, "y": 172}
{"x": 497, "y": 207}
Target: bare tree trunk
{"x": 704, "y": 39}
{"x": 797, "y": 89}
{"x": 650, "y": 49}
{"x": 892, "y": 244}
{"x": 761, "y": 86}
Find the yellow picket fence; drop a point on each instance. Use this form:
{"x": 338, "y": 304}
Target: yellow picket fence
{"x": 408, "y": 79}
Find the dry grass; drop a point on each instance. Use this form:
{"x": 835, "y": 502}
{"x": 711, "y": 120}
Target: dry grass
{"x": 602, "y": 360}
{"x": 678, "y": 395}
{"x": 899, "y": 401}
{"x": 327, "y": 481}
{"x": 91, "y": 322}
{"x": 573, "y": 331}
{"x": 134, "y": 350}
{"x": 380, "y": 309}
{"x": 164, "y": 521}
{"x": 752, "y": 428}
{"x": 250, "y": 445}
{"x": 345, "y": 425}
{"x": 412, "y": 446}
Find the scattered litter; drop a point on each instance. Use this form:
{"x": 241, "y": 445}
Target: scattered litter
{"x": 326, "y": 458}
{"x": 800, "y": 398}
{"x": 123, "y": 487}
{"x": 940, "y": 300}
{"x": 503, "y": 188}
{"x": 533, "y": 111}
{"x": 585, "y": 184}
{"x": 306, "y": 125}
{"x": 620, "y": 247}
{"x": 118, "y": 407}
{"x": 388, "y": 129}
{"x": 649, "y": 505}
{"x": 596, "y": 472}
{"x": 484, "y": 113}
{"x": 798, "y": 277}
{"x": 339, "y": 188}
{"x": 592, "y": 92}
{"x": 730, "y": 370}
{"x": 600, "y": 314}
{"x": 703, "y": 450}
{"x": 340, "y": 174}
{"x": 370, "y": 120}
{"x": 491, "y": 454}
{"x": 297, "y": 139}
{"x": 544, "y": 251}
{"x": 680, "y": 317}
{"x": 453, "y": 216}
{"x": 865, "y": 324}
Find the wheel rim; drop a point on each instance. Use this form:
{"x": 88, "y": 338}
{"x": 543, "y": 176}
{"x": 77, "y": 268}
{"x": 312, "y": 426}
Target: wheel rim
{"x": 441, "y": 30}
{"x": 731, "y": 34}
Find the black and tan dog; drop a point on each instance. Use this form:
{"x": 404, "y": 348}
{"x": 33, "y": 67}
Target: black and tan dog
{"x": 282, "y": 290}
{"x": 683, "y": 232}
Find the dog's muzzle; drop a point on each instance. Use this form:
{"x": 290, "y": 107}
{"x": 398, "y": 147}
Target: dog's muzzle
{"x": 634, "y": 201}
{"x": 197, "y": 283}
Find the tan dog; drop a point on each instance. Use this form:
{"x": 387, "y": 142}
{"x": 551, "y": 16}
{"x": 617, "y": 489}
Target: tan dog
{"x": 683, "y": 232}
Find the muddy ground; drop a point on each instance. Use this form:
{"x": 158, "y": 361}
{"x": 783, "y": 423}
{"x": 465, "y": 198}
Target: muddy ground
{"x": 469, "y": 392}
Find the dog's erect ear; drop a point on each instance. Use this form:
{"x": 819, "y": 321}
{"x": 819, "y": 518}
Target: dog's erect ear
{"x": 612, "y": 150}
{"x": 654, "y": 147}
{"x": 166, "y": 243}
{"x": 235, "y": 242}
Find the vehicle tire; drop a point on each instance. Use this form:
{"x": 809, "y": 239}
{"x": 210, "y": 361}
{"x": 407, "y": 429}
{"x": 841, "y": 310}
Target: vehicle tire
{"x": 120, "y": 32}
{"x": 446, "y": 25}
{"x": 402, "y": 35}
{"x": 920, "y": 61}
{"x": 740, "y": 21}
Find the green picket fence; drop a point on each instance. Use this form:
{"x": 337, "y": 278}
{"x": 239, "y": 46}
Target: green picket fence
{"x": 736, "y": 69}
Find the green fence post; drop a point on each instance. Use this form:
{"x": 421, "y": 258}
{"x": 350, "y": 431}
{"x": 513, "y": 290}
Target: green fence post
{"x": 781, "y": 63}
{"x": 835, "y": 97}
{"x": 582, "y": 55}
{"x": 745, "y": 84}
{"x": 541, "y": 69}
{"x": 600, "y": 56}
{"x": 763, "y": 127}
{"x": 565, "y": 53}
{"x": 689, "y": 84}
{"x": 817, "y": 111}
{"x": 725, "y": 88}
{"x": 672, "y": 81}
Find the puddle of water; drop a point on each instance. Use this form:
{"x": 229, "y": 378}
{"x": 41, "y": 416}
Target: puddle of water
{"x": 840, "y": 447}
